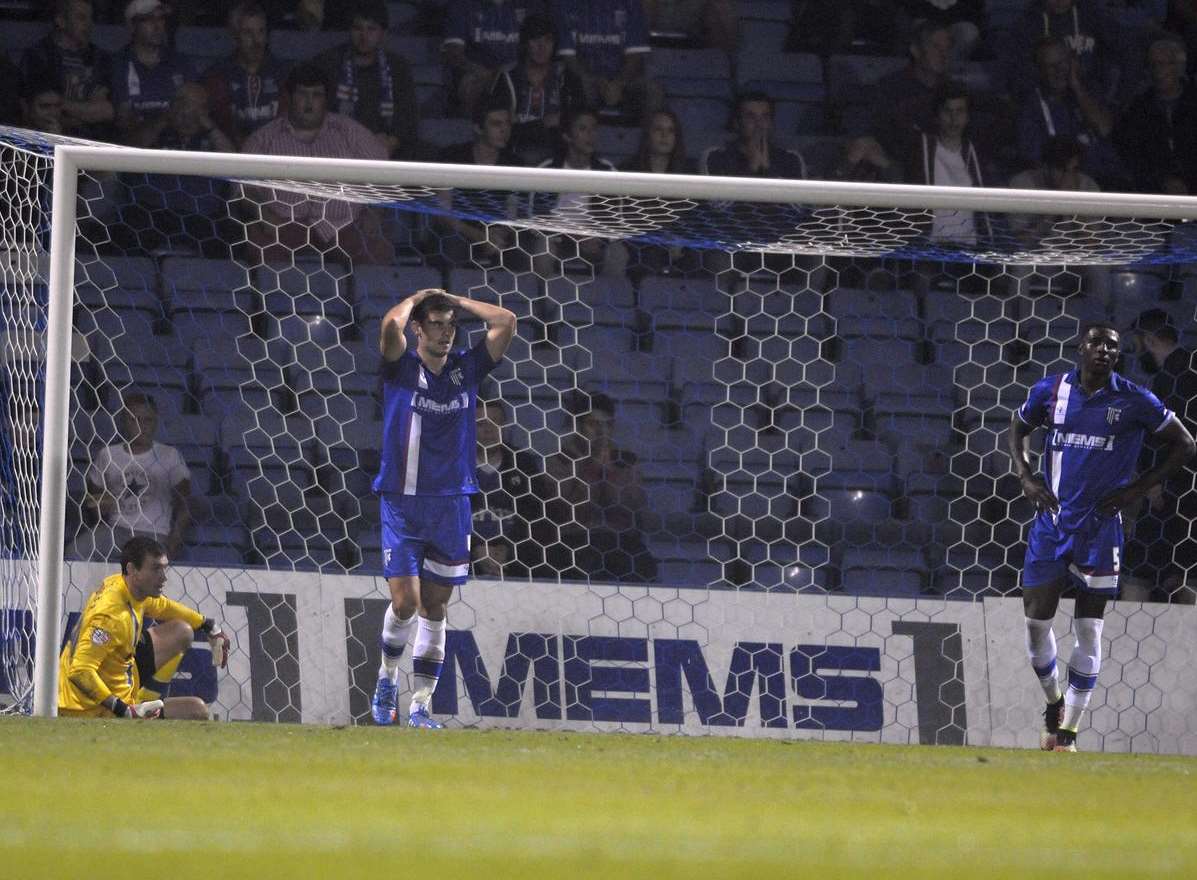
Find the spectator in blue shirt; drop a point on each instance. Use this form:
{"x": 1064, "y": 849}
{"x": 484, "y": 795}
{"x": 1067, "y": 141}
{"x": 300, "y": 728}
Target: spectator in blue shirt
{"x": 482, "y": 38}
{"x": 605, "y": 45}
{"x": 245, "y": 89}
{"x": 374, "y": 86}
{"x": 67, "y": 60}
{"x": 146, "y": 76}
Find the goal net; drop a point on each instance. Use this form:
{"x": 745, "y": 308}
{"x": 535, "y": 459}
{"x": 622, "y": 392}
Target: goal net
{"x": 743, "y": 465}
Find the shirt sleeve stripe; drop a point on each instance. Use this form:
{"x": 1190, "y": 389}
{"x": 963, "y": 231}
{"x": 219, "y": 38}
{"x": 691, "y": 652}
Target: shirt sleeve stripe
{"x": 1169, "y": 416}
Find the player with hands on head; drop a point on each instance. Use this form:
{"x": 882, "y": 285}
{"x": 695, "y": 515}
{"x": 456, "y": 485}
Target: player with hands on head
{"x": 1095, "y": 422}
{"x": 114, "y": 665}
{"x": 427, "y": 476}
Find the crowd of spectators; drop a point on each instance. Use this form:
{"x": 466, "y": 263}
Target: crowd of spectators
{"x": 1075, "y": 95}
{"x": 1104, "y": 80}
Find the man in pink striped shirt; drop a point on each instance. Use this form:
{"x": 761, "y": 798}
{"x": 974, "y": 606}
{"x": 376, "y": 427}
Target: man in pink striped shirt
{"x": 290, "y": 220}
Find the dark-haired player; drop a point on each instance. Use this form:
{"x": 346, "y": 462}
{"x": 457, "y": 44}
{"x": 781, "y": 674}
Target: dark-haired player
{"x": 426, "y": 480}
{"x": 114, "y": 665}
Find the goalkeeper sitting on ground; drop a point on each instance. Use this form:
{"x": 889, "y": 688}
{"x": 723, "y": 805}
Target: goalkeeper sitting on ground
{"x": 112, "y": 651}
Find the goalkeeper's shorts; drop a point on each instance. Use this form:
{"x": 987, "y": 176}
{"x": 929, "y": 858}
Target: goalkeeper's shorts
{"x": 427, "y": 535}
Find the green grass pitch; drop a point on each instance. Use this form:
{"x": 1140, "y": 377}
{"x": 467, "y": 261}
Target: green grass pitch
{"x": 176, "y": 800}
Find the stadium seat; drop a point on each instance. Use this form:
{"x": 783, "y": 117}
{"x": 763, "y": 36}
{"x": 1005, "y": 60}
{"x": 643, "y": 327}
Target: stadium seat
{"x": 851, "y": 87}
{"x": 658, "y": 294}
{"x": 204, "y": 44}
{"x": 303, "y": 283}
{"x": 194, "y": 284}
{"x": 493, "y": 285}
{"x": 873, "y": 305}
{"x": 213, "y": 555}
{"x": 704, "y": 121}
{"x": 376, "y": 288}
{"x": 883, "y": 573}
{"x": 687, "y": 73}
{"x": 785, "y": 76}
{"x": 20, "y": 35}
{"x": 446, "y": 132}
{"x": 301, "y": 45}
{"x": 617, "y": 143}
{"x": 415, "y": 50}
{"x": 765, "y": 35}
{"x": 883, "y": 363}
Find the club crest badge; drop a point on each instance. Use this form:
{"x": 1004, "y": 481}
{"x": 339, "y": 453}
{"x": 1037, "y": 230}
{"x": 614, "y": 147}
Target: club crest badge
{"x": 455, "y": 377}
{"x": 1113, "y": 414}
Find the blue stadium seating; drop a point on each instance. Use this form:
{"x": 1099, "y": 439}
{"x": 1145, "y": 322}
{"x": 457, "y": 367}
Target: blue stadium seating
{"x": 886, "y": 572}
{"x": 376, "y": 288}
{"x": 446, "y": 132}
{"x": 691, "y": 73}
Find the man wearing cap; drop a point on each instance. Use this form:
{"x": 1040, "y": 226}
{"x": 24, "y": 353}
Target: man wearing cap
{"x": 1163, "y": 554}
{"x": 146, "y": 75}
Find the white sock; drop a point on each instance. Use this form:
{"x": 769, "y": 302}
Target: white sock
{"x": 428, "y": 656}
{"x": 1083, "y": 666}
{"x": 1041, "y": 647}
{"x": 395, "y": 633}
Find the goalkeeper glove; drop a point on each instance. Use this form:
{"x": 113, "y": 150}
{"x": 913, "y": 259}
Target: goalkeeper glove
{"x": 217, "y": 641}
{"x": 148, "y": 709}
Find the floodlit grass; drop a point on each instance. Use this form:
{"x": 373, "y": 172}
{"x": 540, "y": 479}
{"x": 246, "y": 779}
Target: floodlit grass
{"x": 177, "y": 800}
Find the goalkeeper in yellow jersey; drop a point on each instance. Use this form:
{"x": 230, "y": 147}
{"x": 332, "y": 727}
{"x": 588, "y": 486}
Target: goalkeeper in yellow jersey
{"x": 114, "y": 665}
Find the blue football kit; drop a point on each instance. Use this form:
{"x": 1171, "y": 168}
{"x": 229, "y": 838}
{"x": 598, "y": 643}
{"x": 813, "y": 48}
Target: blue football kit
{"x": 1091, "y": 449}
{"x": 428, "y": 464}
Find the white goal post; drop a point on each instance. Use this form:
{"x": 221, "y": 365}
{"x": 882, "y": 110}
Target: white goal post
{"x": 388, "y": 182}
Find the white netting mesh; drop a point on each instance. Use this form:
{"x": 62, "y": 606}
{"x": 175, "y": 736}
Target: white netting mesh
{"x": 813, "y": 519}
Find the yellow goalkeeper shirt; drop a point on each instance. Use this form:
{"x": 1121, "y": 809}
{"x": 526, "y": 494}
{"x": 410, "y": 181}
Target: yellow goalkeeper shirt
{"x": 98, "y": 659}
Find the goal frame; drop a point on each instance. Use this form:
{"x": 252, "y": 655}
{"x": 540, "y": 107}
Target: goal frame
{"x": 72, "y": 159}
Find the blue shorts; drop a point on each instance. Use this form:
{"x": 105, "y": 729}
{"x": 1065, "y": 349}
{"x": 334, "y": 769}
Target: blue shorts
{"x": 1092, "y": 556}
{"x": 427, "y": 535}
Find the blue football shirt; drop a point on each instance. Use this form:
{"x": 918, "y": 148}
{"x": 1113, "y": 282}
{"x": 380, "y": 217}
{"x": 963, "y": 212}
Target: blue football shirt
{"x": 600, "y": 34}
{"x": 1093, "y": 441}
{"x": 489, "y": 31}
{"x": 429, "y": 445}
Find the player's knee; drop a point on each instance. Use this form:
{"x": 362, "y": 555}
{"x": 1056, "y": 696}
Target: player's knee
{"x": 173, "y": 637}
{"x": 434, "y": 610}
{"x": 1038, "y": 604}
{"x": 187, "y": 709}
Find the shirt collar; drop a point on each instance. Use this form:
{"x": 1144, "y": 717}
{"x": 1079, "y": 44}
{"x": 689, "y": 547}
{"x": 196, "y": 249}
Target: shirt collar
{"x": 1074, "y": 379}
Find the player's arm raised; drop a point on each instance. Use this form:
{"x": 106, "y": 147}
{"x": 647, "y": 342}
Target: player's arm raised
{"x": 392, "y": 342}
{"x": 500, "y": 323}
